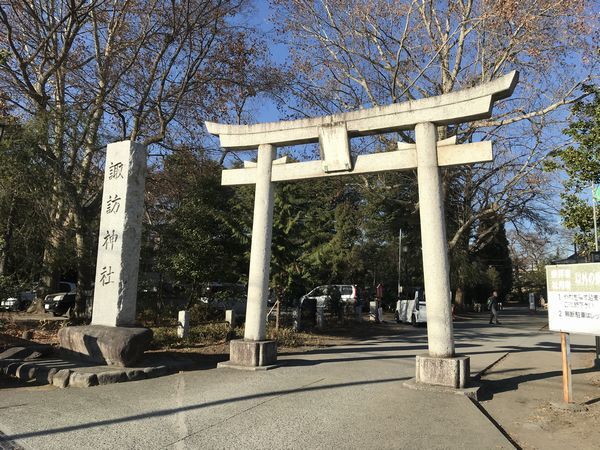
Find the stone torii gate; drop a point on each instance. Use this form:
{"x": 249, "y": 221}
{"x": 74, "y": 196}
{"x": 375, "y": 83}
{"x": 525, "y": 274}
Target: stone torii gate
{"x": 441, "y": 366}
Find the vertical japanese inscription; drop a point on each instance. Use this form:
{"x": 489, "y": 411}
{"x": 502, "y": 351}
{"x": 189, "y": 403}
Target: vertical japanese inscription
{"x": 119, "y": 235}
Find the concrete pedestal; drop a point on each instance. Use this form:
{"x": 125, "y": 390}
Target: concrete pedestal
{"x": 183, "y": 324}
{"x": 373, "y": 312}
{"x": 230, "y": 318}
{"x": 451, "y": 372}
{"x": 251, "y": 355}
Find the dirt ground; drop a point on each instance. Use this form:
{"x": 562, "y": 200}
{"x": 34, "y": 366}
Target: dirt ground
{"x": 44, "y": 330}
{"x": 523, "y": 393}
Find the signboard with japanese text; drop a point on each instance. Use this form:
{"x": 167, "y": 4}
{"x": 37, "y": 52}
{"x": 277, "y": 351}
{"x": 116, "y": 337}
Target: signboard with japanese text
{"x": 574, "y": 298}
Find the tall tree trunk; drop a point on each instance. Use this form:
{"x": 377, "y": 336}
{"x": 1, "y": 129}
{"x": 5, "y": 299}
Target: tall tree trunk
{"x": 84, "y": 248}
{"x": 7, "y": 238}
{"x": 50, "y": 276}
{"x": 459, "y": 298}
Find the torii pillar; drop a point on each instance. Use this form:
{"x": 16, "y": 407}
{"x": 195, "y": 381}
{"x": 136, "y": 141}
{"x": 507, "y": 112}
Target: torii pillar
{"x": 436, "y": 268}
{"x": 254, "y": 352}
{"x": 440, "y": 366}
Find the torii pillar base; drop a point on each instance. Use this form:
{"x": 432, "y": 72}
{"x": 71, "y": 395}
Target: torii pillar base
{"x": 251, "y": 355}
{"x": 452, "y": 372}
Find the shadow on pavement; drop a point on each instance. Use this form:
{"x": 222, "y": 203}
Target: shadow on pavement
{"x": 182, "y": 360}
{"x": 592, "y": 401}
{"x": 316, "y": 362}
{"x": 373, "y": 352}
{"x": 492, "y": 387}
{"x": 170, "y": 411}
{"x": 363, "y": 349}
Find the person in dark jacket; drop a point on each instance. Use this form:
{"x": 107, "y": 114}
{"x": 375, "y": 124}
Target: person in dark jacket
{"x": 492, "y": 305}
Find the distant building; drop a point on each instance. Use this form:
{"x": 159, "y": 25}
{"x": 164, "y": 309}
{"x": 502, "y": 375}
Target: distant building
{"x": 573, "y": 259}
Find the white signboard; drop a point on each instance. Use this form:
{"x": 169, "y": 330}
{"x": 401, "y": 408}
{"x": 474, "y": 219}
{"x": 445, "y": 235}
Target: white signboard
{"x": 574, "y": 298}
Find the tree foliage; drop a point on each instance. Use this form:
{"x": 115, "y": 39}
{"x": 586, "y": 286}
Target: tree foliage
{"x": 580, "y": 162}
{"x": 352, "y": 54}
{"x": 77, "y": 74}
{"x": 95, "y": 71}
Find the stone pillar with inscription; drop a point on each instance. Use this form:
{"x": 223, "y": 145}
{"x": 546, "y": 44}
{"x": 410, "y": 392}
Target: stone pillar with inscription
{"x": 112, "y": 337}
{"x": 117, "y": 265}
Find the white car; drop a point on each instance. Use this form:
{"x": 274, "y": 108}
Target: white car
{"x": 322, "y": 295}
{"x": 413, "y": 311}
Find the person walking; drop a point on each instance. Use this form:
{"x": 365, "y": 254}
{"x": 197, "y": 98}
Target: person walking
{"x": 492, "y": 304}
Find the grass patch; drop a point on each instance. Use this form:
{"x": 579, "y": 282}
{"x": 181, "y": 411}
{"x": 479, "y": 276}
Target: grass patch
{"x": 217, "y": 333}
{"x": 287, "y": 337}
{"x": 200, "y": 335}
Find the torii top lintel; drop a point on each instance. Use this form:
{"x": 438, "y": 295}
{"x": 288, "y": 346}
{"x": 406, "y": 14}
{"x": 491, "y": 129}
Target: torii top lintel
{"x": 455, "y": 107}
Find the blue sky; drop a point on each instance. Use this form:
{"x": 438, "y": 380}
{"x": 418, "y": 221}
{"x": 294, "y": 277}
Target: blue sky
{"x": 264, "y": 109}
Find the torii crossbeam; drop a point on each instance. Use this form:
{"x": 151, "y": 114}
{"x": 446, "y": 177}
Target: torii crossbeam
{"x": 333, "y": 133}
{"x": 456, "y": 107}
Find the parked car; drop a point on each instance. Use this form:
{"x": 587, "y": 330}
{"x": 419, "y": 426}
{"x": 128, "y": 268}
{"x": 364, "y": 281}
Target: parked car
{"x": 349, "y": 295}
{"x": 60, "y": 302}
{"x": 413, "y": 310}
{"x": 21, "y": 302}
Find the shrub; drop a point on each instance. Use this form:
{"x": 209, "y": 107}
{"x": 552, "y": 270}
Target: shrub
{"x": 287, "y": 337}
{"x": 165, "y": 337}
{"x": 201, "y": 312}
{"x": 9, "y": 287}
{"x": 212, "y": 333}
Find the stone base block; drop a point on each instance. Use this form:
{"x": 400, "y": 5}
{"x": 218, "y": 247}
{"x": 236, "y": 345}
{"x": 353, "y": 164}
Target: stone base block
{"x": 453, "y": 372}
{"x": 251, "y": 355}
{"x": 115, "y": 346}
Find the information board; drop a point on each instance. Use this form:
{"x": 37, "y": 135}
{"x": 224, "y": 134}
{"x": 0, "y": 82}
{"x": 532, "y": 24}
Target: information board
{"x": 574, "y": 298}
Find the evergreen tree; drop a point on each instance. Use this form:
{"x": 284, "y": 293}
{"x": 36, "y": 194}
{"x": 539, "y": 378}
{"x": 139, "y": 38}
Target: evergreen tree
{"x": 581, "y": 163}
{"x": 23, "y": 185}
{"x": 189, "y": 240}
{"x": 494, "y": 258}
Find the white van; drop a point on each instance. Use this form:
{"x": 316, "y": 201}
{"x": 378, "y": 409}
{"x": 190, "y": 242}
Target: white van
{"x": 348, "y": 295}
{"x": 413, "y": 310}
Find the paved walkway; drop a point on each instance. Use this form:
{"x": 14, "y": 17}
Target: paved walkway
{"x": 338, "y": 397}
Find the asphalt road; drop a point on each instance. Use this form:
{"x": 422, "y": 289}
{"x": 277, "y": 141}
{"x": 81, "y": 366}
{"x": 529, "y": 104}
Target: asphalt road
{"x": 338, "y": 397}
